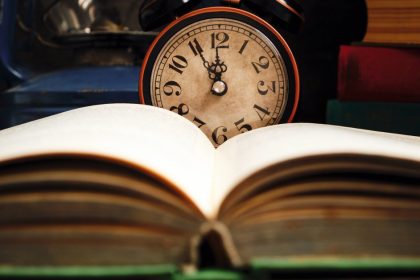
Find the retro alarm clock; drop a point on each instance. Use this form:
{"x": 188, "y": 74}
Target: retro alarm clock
{"x": 226, "y": 69}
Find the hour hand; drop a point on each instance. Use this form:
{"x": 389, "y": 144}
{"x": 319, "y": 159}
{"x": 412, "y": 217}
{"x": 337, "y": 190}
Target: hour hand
{"x": 198, "y": 50}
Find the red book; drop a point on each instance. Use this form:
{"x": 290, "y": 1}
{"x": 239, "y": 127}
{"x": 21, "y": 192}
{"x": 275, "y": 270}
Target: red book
{"x": 367, "y": 73}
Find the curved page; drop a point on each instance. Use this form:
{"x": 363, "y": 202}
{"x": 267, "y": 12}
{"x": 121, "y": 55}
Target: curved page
{"x": 151, "y": 138}
{"x": 246, "y": 154}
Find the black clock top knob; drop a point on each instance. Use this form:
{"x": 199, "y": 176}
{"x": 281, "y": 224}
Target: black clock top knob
{"x": 287, "y": 13}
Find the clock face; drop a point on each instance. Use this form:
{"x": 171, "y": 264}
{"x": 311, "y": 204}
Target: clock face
{"x": 223, "y": 72}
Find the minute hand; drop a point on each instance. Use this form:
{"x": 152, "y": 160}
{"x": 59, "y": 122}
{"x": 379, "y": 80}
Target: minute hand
{"x": 219, "y": 87}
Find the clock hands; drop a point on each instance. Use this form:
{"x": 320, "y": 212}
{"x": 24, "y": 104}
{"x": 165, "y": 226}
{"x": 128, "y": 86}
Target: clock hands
{"x": 200, "y": 51}
{"x": 215, "y": 71}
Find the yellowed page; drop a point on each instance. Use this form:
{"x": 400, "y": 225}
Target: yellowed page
{"x": 146, "y": 136}
{"x": 247, "y": 153}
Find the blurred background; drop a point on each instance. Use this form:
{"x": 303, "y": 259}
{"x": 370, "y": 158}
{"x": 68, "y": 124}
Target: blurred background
{"x": 56, "y": 55}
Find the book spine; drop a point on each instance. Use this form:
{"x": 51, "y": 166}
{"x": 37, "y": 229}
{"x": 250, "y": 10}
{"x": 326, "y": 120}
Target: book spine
{"x": 393, "y": 21}
{"x": 380, "y": 116}
{"x": 383, "y": 74}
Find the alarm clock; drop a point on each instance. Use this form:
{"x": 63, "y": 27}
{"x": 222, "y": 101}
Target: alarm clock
{"x": 226, "y": 69}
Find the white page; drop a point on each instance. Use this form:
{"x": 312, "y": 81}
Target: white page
{"x": 147, "y": 136}
{"x": 247, "y": 153}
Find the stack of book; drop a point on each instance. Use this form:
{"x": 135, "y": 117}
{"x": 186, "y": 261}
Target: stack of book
{"x": 379, "y": 79}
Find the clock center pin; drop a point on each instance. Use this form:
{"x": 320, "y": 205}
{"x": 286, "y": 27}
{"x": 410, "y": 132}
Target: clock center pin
{"x": 219, "y": 88}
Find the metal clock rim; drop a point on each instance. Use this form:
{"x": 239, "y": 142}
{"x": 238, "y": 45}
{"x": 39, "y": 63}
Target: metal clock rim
{"x": 221, "y": 9}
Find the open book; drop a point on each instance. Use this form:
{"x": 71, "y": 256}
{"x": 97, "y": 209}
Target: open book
{"x": 126, "y": 184}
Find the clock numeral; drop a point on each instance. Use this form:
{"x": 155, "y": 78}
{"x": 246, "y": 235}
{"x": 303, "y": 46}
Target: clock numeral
{"x": 172, "y": 87}
{"x": 261, "y": 111}
{"x": 178, "y": 63}
{"x": 198, "y": 122}
{"x": 263, "y": 63}
{"x": 244, "y": 127}
{"x": 182, "y": 109}
{"x": 195, "y": 47}
{"x": 264, "y": 88}
{"x": 218, "y": 135}
{"x": 219, "y": 40}
{"x": 243, "y": 46}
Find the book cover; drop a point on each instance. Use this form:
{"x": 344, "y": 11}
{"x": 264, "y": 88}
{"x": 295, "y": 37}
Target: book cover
{"x": 380, "y": 116}
{"x": 373, "y": 73}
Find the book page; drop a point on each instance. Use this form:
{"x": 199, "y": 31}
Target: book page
{"x": 248, "y": 153}
{"x": 149, "y": 137}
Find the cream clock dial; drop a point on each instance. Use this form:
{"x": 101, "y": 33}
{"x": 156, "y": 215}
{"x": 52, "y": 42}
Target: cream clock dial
{"x": 225, "y": 70}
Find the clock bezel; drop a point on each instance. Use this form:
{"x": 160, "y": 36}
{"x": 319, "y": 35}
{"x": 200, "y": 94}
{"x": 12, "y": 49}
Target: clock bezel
{"x": 231, "y": 13}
